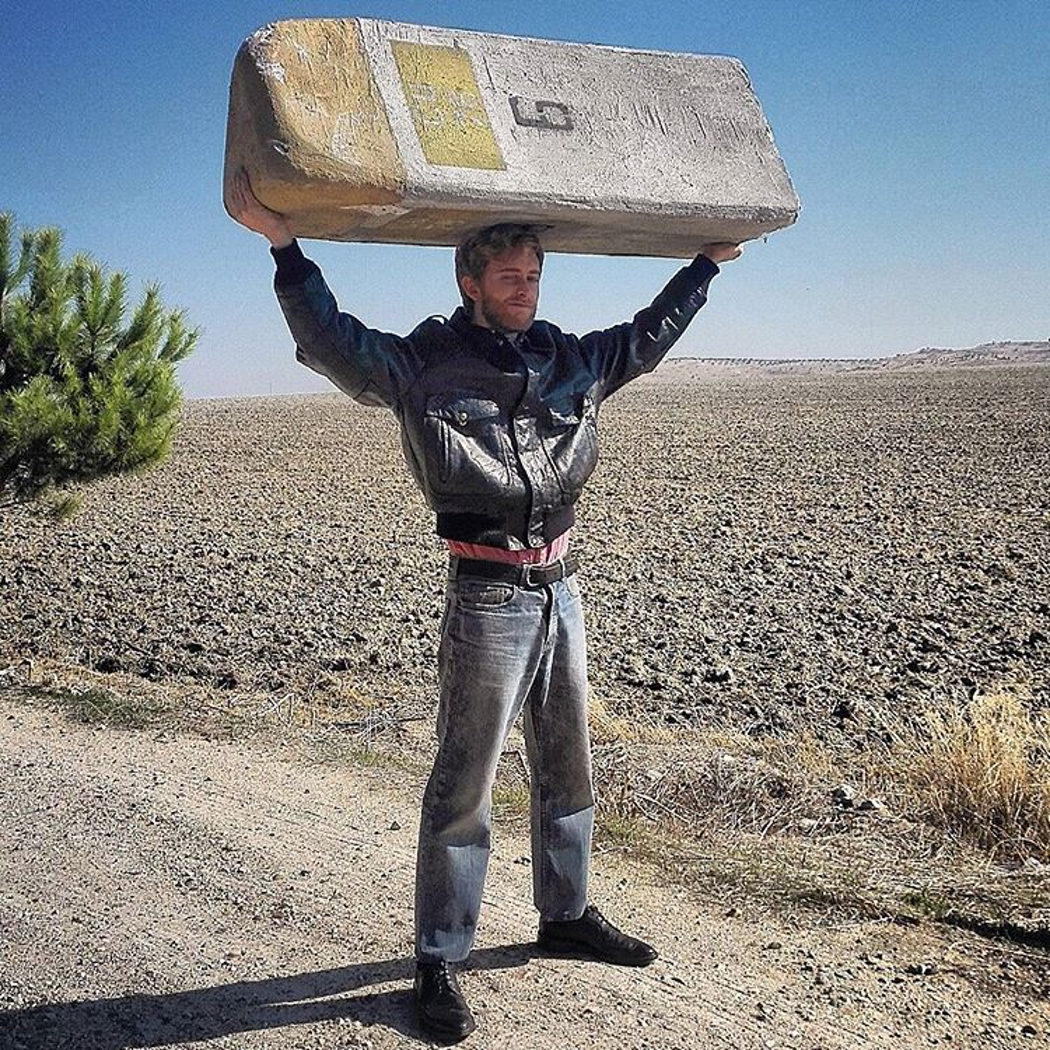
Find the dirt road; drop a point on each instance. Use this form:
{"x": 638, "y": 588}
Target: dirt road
{"x": 165, "y": 890}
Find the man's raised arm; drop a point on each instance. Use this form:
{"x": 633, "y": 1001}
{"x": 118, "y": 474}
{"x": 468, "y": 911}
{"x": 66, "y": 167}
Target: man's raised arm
{"x": 619, "y": 354}
{"x": 369, "y": 365}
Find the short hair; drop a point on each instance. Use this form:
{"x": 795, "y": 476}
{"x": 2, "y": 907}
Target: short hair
{"x": 477, "y": 249}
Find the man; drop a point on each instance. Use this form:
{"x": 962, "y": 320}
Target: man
{"x": 498, "y": 416}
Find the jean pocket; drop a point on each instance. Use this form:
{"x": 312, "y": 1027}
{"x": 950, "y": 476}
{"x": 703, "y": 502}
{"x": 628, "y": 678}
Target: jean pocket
{"x": 483, "y": 594}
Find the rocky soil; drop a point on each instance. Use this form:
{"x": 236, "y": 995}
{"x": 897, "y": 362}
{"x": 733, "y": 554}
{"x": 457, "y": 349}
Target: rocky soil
{"x": 833, "y": 552}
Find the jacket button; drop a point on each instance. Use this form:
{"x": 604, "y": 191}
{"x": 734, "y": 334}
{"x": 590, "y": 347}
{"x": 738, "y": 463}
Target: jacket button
{"x": 463, "y": 417}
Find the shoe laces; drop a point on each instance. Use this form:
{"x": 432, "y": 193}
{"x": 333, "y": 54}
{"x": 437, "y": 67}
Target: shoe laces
{"x": 591, "y": 912}
{"x": 608, "y": 929}
{"x": 443, "y": 978}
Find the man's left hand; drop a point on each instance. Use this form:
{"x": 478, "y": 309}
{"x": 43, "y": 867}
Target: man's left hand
{"x": 721, "y": 251}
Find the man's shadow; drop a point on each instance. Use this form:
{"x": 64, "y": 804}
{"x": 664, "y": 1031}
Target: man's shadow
{"x": 143, "y": 1020}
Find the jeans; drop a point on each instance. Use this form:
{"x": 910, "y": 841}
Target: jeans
{"x": 505, "y": 649}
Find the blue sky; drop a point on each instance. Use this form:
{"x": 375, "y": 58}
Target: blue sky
{"x": 917, "y": 135}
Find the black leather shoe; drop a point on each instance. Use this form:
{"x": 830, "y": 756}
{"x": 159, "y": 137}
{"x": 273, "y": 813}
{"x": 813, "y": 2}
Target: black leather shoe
{"x": 592, "y": 936}
{"x": 443, "y": 1012}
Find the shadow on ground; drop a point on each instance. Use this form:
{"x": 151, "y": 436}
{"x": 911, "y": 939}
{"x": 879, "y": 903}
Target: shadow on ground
{"x": 247, "y": 1006}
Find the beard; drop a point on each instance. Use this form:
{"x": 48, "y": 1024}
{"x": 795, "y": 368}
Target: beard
{"x": 500, "y": 321}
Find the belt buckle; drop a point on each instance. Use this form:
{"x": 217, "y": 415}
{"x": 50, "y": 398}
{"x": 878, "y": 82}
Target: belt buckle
{"x": 547, "y": 574}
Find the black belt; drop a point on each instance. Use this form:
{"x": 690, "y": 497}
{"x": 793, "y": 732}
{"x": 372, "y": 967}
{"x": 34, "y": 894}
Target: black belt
{"x": 532, "y": 577}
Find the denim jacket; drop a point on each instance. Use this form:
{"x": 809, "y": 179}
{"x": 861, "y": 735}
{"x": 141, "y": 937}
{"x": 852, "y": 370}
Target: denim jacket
{"x": 500, "y": 436}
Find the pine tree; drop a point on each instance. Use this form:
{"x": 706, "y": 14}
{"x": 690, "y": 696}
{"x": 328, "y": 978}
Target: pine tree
{"x": 85, "y": 390}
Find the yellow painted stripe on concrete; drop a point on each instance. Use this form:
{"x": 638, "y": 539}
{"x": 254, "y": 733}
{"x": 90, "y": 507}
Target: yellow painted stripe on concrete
{"x": 446, "y": 106}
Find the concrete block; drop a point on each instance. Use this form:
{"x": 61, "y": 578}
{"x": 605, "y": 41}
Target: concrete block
{"x": 364, "y": 130}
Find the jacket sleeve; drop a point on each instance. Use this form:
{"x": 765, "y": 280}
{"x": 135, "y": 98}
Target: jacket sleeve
{"x": 369, "y": 365}
{"x": 619, "y": 354}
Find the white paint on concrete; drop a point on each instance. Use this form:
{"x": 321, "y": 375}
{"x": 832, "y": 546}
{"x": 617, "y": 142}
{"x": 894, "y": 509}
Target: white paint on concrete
{"x": 654, "y": 130}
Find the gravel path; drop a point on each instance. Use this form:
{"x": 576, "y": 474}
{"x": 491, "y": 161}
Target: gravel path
{"x": 163, "y": 890}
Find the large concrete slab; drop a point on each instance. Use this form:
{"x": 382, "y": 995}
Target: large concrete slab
{"x": 363, "y": 130}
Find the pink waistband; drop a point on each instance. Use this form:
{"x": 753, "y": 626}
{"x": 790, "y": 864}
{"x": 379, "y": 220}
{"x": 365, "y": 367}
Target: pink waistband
{"x": 554, "y": 550}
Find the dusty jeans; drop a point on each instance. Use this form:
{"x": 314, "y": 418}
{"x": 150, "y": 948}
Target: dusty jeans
{"x": 503, "y": 649}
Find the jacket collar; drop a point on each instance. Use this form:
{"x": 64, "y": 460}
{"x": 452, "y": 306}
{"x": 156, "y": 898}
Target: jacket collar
{"x": 489, "y": 344}
{"x": 480, "y": 336}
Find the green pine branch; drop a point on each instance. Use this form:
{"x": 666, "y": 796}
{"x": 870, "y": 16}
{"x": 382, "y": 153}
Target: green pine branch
{"x": 87, "y": 385}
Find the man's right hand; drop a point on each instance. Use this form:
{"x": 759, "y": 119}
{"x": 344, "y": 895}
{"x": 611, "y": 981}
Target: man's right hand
{"x": 248, "y": 210}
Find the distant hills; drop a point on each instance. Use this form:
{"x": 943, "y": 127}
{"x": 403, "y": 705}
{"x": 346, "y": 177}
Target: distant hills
{"x": 1002, "y": 354}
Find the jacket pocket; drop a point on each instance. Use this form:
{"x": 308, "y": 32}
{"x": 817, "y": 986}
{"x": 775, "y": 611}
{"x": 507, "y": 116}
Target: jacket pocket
{"x": 571, "y": 441}
{"x": 465, "y": 443}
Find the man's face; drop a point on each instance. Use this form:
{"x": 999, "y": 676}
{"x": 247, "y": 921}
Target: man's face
{"x": 506, "y": 297}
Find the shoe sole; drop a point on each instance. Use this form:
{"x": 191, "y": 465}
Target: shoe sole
{"x": 574, "y": 950}
{"x": 446, "y": 1035}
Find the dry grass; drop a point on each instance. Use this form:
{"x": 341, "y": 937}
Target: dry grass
{"x": 611, "y": 728}
{"x": 948, "y": 822}
{"x": 984, "y": 773}
{"x": 981, "y": 773}
{"x": 708, "y": 780}
{"x": 704, "y": 787}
